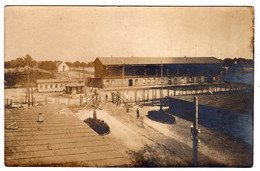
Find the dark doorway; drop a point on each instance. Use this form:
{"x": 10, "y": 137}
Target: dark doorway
{"x": 130, "y": 82}
{"x": 170, "y": 81}
{"x": 210, "y": 79}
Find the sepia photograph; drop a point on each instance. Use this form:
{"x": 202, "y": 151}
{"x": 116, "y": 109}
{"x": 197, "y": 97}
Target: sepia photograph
{"x": 128, "y": 86}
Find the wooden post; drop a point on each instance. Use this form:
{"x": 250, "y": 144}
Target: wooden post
{"x": 195, "y": 131}
{"x": 32, "y": 94}
{"x": 25, "y": 100}
{"x": 28, "y": 85}
{"x": 168, "y": 91}
{"x": 161, "y": 94}
{"x": 135, "y": 95}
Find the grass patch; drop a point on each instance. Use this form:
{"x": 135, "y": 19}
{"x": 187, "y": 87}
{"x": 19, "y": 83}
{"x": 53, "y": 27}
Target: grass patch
{"x": 161, "y": 117}
{"x": 98, "y": 125}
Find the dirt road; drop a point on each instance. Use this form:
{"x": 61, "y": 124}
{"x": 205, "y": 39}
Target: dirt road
{"x": 153, "y": 143}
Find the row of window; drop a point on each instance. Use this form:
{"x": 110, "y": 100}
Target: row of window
{"x": 51, "y": 86}
{"x": 163, "y": 80}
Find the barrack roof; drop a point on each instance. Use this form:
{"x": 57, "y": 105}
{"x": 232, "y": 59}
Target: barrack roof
{"x": 156, "y": 60}
{"x": 52, "y": 81}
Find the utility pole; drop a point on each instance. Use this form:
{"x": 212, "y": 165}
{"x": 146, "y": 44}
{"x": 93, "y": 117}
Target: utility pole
{"x": 123, "y": 78}
{"x": 28, "y": 83}
{"x": 32, "y": 94}
{"x": 161, "y": 94}
{"x": 195, "y": 130}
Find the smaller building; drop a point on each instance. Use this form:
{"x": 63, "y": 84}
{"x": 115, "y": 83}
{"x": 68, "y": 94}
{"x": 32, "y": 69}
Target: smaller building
{"x": 74, "y": 88}
{"x": 62, "y": 66}
{"x": 51, "y": 85}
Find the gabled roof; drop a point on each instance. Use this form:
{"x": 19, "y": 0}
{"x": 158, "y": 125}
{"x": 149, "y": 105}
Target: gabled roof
{"x": 156, "y": 60}
{"x": 59, "y": 63}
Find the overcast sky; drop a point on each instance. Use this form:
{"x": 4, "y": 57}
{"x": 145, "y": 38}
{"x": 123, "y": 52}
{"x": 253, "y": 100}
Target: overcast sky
{"x": 84, "y": 33}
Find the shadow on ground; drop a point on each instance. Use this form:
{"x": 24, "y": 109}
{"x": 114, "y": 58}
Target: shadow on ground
{"x": 161, "y": 116}
{"x": 232, "y": 123}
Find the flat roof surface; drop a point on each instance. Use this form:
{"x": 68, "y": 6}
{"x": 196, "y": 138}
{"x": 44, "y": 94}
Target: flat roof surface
{"x": 61, "y": 140}
{"x": 74, "y": 85}
{"x": 52, "y": 81}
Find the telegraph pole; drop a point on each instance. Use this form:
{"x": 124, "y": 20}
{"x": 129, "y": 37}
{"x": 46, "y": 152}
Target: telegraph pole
{"x": 123, "y": 78}
{"x": 28, "y": 84}
{"x": 161, "y": 94}
{"x": 195, "y": 130}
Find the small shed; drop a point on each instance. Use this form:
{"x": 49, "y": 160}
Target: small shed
{"x": 74, "y": 88}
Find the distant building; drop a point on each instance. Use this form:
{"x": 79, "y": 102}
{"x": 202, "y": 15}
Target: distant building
{"x": 74, "y": 88}
{"x": 156, "y": 71}
{"x": 62, "y": 66}
{"x": 51, "y": 85}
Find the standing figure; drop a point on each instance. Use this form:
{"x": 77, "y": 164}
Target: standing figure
{"x": 95, "y": 115}
{"x": 137, "y": 113}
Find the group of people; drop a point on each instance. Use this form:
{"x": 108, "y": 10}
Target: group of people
{"x": 117, "y": 98}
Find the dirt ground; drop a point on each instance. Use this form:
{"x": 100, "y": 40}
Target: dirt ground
{"x": 151, "y": 143}
{"x": 157, "y": 144}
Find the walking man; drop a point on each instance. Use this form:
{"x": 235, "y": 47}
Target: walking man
{"x": 137, "y": 113}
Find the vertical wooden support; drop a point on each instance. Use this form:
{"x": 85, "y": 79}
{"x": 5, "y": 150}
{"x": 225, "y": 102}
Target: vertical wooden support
{"x": 135, "y": 95}
{"x": 32, "y": 94}
{"x": 195, "y": 131}
{"x": 143, "y": 94}
{"x": 168, "y": 93}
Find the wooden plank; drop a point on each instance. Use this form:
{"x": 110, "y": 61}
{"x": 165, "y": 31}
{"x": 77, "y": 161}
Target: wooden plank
{"x": 50, "y": 141}
{"x": 60, "y": 139}
{"x": 49, "y": 132}
{"x": 66, "y": 158}
{"x": 43, "y": 128}
{"x": 47, "y": 136}
{"x": 60, "y": 152}
{"x": 58, "y": 146}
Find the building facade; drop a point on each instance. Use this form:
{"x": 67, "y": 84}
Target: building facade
{"x": 141, "y": 71}
{"x": 51, "y": 85}
{"x": 74, "y": 88}
{"x": 62, "y": 66}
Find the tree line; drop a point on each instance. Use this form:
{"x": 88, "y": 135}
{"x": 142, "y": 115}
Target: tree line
{"x": 46, "y": 65}
{"x": 51, "y": 65}
{"x": 229, "y": 62}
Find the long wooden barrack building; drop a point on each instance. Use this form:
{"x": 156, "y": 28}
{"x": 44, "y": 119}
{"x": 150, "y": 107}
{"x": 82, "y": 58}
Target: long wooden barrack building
{"x": 156, "y": 71}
